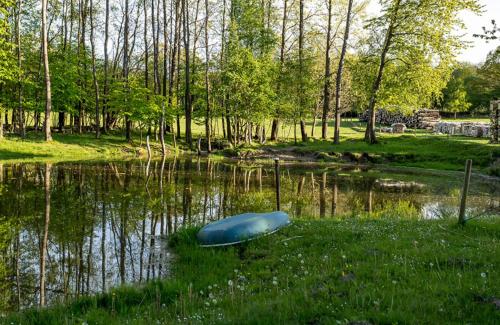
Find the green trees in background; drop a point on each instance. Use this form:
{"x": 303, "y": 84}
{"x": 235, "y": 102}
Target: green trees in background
{"x": 148, "y": 65}
{"x": 471, "y": 88}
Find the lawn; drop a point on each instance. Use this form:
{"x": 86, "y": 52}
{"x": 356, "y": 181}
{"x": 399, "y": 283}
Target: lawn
{"x": 378, "y": 270}
{"x": 72, "y": 147}
{"x": 415, "y": 148}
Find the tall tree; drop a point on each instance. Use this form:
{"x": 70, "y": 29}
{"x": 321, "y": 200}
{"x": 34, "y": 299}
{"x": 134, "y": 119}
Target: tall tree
{"x": 128, "y": 122}
{"x": 106, "y": 67}
{"x": 338, "y": 81}
{"x": 48, "y": 94}
{"x": 276, "y": 122}
{"x": 187, "y": 85}
{"x": 327, "y": 85}
{"x": 207, "y": 85}
{"x": 20, "y": 114}
{"x": 419, "y": 36}
{"x": 303, "y": 131}
{"x": 94, "y": 72}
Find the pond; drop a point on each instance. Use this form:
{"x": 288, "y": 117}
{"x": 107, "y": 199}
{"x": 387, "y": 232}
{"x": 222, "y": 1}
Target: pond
{"x": 92, "y": 226}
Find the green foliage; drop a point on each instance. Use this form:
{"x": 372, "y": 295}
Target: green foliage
{"x": 421, "y": 53}
{"x": 455, "y": 96}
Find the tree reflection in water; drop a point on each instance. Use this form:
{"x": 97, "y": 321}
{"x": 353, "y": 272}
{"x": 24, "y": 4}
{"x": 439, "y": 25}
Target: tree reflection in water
{"x": 72, "y": 229}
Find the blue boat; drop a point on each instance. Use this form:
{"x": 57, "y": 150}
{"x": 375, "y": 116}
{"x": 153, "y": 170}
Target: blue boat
{"x": 241, "y": 228}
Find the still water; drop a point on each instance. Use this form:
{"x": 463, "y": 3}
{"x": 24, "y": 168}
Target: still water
{"x": 73, "y": 229}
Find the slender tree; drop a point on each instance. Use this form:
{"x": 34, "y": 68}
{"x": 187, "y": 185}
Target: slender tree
{"x": 48, "y": 94}
{"x": 187, "y": 90}
{"x": 327, "y": 85}
{"x": 20, "y": 114}
{"x": 276, "y": 122}
{"x": 303, "y": 131}
{"x": 207, "y": 85}
{"x": 128, "y": 122}
{"x": 338, "y": 82}
{"x": 94, "y": 73}
{"x": 105, "y": 118}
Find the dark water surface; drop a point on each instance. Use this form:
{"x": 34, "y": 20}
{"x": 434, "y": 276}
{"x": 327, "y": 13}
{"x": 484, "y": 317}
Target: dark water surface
{"x": 104, "y": 224}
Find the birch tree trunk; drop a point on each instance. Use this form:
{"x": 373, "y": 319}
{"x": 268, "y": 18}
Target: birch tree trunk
{"x": 48, "y": 94}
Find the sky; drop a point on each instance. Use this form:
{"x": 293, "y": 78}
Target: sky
{"x": 478, "y": 48}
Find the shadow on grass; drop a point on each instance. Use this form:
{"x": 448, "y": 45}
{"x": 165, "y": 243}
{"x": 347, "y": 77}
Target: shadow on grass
{"x": 11, "y": 155}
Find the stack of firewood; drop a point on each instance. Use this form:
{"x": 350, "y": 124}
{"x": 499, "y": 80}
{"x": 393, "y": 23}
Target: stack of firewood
{"x": 421, "y": 119}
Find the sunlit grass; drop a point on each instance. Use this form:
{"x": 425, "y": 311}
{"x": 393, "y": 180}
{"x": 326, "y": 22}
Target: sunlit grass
{"x": 388, "y": 270}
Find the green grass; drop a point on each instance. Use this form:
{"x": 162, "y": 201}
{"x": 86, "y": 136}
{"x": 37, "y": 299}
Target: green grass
{"x": 381, "y": 271}
{"x": 415, "y": 148}
{"x": 72, "y": 147}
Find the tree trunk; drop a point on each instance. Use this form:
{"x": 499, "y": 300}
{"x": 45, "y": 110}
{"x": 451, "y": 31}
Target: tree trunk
{"x": 22, "y": 130}
{"x": 48, "y": 94}
{"x": 303, "y": 131}
{"x": 173, "y": 58}
{"x": 370, "y": 136}
{"x": 187, "y": 91}
{"x": 105, "y": 118}
{"x": 128, "y": 123}
{"x": 276, "y": 122}
{"x": 338, "y": 82}
{"x": 94, "y": 73}
{"x": 326, "y": 88}
{"x": 167, "y": 126}
{"x": 207, "y": 86}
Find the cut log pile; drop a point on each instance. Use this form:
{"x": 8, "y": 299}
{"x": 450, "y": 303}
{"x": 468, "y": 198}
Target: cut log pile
{"x": 468, "y": 129}
{"x": 421, "y": 119}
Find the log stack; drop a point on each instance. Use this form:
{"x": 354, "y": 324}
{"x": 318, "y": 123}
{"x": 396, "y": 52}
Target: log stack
{"x": 468, "y": 129}
{"x": 421, "y": 119}
{"x": 427, "y": 118}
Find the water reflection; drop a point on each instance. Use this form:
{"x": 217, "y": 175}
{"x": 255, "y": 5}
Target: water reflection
{"x": 73, "y": 229}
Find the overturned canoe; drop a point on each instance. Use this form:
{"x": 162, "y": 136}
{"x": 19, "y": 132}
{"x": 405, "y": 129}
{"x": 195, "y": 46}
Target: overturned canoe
{"x": 241, "y": 228}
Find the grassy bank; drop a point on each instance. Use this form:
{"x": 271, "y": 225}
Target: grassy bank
{"x": 72, "y": 147}
{"x": 415, "y": 148}
{"x": 346, "y": 271}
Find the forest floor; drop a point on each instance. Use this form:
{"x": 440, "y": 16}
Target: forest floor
{"x": 416, "y": 148}
{"x": 377, "y": 270}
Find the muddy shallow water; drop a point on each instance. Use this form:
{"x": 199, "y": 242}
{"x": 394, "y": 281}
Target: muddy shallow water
{"x": 108, "y": 223}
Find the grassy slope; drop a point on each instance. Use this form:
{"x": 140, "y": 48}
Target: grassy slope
{"x": 317, "y": 271}
{"x": 70, "y": 147}
{"x": 414, "y": 149}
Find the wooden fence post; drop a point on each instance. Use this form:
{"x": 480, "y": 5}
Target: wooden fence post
{"x": 148, "y": 147}
{"x": 463, "y": 200}
{"x": 278, "y": 184}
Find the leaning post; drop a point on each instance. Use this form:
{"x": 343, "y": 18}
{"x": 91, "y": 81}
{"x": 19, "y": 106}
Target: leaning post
{"x": 148, "y": 147}
{"x": 463, "y": 200}
{"x": 278, "y": 184}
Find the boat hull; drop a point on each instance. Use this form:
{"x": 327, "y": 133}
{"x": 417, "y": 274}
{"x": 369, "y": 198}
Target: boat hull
{"x": 241, "y": 228}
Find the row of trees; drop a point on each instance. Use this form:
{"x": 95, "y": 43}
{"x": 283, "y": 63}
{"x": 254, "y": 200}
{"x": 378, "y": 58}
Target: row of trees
{"x": 471, "y": 87}
{"x": 153, "y": 64}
